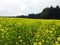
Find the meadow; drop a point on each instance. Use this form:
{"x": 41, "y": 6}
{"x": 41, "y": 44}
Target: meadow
{"x": 22, "y": 31}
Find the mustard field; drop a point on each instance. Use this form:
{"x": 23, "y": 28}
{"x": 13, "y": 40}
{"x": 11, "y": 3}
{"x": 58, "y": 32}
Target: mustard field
{"x": 22, "y": 31}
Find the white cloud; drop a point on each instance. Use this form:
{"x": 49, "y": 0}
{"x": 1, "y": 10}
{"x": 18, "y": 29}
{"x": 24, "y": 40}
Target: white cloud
{"x": 14, "y": 7}
{"x": 1, "y": 8}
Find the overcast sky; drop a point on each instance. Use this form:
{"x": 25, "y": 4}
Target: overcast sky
{"x": 20, "y": 7}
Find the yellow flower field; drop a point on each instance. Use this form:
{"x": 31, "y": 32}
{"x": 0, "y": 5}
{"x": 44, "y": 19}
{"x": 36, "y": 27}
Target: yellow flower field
{"x": 22, "y": 31}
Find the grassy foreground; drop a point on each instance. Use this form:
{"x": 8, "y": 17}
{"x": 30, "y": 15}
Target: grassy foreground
{"x": 19, "y": 31}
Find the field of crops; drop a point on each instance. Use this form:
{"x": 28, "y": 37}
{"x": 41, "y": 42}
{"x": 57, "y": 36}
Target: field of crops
{"x": 15, "y": 31}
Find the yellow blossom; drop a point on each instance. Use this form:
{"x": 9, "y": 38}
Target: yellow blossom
{"x": 58, "y": 39}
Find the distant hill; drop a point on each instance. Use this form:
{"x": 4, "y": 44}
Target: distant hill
{"x": 47, "y": 13}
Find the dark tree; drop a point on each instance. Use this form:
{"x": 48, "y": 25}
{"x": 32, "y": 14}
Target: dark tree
{"x": 47, "y": 13}
{"x": 57, "y": 6}
{"x": 51, "y": 7}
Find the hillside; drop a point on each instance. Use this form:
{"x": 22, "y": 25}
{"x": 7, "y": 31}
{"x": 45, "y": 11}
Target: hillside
{"x": 47, "y": 13}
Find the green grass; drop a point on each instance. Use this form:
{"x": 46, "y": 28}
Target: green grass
{"x": 19, "y": 31}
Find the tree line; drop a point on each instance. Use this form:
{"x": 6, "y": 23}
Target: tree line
{"x": 47, "y": 13}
